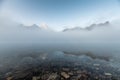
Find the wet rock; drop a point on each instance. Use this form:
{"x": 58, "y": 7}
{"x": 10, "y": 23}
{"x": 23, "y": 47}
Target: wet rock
{"x": 96, "y": 65}
{"x": 36, "y": 78}
{"x": 53, "y": 76}
{"x": 22, "y": 75}
{"x": 65, "y": 69}
{"x": 9, "y": 78}
{"x": 108, "y": 74}
{"x": 65, "y": 75}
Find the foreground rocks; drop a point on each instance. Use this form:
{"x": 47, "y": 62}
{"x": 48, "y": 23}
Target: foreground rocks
{"x": 63, "y": 71}
{"x": 62, "y": 68}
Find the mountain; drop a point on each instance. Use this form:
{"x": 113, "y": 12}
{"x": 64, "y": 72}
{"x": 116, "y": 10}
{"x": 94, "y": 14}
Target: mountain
{"x": 35, "y": 27}
{"x": 32, "y": 27}
{"x": 44, "y": 26}
{"x": 88, "y": 28}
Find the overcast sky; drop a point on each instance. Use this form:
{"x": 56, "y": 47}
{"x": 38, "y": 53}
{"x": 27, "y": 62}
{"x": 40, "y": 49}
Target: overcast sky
{"x": 60, "y": 13}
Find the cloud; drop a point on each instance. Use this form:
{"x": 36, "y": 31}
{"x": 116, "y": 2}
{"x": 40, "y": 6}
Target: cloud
{"x": 99, "y": 35}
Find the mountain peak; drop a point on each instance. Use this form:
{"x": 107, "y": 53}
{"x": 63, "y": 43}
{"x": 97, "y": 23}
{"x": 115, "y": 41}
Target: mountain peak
{"x": 35, "y": 26}
{"x": 88, "y": 28}
{"x": 44, "y": 26}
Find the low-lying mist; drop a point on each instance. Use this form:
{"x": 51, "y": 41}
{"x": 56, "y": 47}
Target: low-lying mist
{"x": 19, "y": 43}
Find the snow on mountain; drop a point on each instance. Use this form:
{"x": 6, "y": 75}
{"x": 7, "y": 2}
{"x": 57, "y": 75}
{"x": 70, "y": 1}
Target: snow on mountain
{"x": 42, "y": 27}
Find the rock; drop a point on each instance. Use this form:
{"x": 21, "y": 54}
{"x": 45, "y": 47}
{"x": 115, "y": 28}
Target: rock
{"x": 8, "y": 74}
{"x": 66, "y": 69}
{"x": 53, "y": 76}
{"x": 96, "y": 65}
{"x": 35, "y": 78}
{"x": 97, "y": 69}
{"x": 70, "y": 73}
{"x": 9, "y": 78}
{"x": 108, "y": 74}
{"x": 79, "y": 71}
{"x": 21, "y": 74}
{"x": 65, "y": 75}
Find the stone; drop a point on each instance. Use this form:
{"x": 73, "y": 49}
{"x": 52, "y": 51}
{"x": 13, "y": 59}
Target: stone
{"x": 53, "y": 76}
{"x": 97, "y": 65}
{"x": 35, "y": 77}
{"x": 65, "y": 75}
{"x": 108, "y": 74}
{"x": 9, "y": 78}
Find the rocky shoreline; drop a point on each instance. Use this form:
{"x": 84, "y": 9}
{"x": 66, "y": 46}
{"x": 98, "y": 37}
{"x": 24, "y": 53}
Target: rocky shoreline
{"x": 63, "y": 68}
